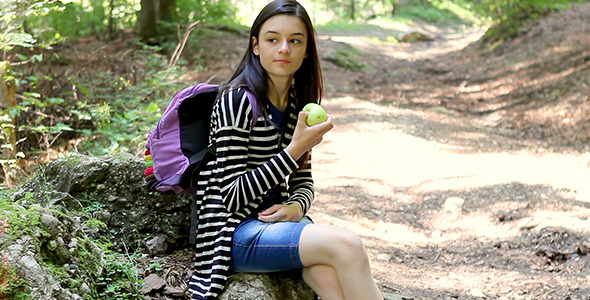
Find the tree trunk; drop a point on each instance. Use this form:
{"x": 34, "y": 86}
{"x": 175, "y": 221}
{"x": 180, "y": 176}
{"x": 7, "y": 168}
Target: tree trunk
{"x": 151, "y": 29}
{"x": 393, "y": 7}
{"x": 147, "y": 22}
{"x": 7, "y": 102}
{"x": 166, "y": 17}
{"x": 167, "y": 10}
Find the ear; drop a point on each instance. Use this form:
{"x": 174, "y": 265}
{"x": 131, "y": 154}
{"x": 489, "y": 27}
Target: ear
{"x": 255, "y": 48}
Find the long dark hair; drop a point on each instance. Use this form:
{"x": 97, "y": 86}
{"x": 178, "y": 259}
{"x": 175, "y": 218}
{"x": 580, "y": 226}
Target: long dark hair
{"x": 308, "y": 83}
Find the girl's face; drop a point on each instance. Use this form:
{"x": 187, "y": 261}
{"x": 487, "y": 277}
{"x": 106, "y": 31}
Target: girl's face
{"x": 281, "y": 46}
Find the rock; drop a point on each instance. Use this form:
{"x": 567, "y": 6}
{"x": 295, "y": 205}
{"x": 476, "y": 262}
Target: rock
{"x": 72, "y": 199}
{"x": 157, "y": 245}
{"x": 453, "y": 205}
{"x": 174, "y": 291}
{"x": 436, "y": 234}
{"x": 152, "y": 283}
{"x": 415, "y": 36}
{"x": 477, "y": 293}
{"x": 275, "y": 286}
{"x": 52, "y": 224}
{"x": 383, "y": 257}
{"x": 111, "y": 188}
{"x": 43, "y": 262}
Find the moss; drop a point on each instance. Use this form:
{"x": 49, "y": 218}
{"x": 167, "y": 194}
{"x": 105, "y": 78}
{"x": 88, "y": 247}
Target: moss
{"x": 12, "y": 286}
{"x": 21, "y": 221}
{"x": 94, "y": 223}
{"x": 74, "y": 160}
{"x": 92, "y": 274}
{"x": 56, "y": 270}
{"x": 348, "y": 58}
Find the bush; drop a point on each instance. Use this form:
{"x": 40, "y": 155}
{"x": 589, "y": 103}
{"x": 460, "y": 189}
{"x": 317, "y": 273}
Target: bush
{"x": 508, "y": 17}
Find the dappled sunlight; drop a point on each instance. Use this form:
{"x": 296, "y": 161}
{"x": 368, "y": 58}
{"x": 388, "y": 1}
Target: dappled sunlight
{"x": 385, "y": 232}
{"x": 488, "y": 223}
{"x": 386, "y": 173}
{"x": 471, "y": 281}
{"x": 451, "y": 227}
{"x": 375, "y": 149}
{"x": 500, "y": 132}
{"x": 573, "y": 220}
{"x": 454, "y": 39}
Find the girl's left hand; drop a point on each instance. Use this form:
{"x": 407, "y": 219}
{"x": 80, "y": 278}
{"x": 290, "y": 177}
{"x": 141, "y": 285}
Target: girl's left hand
{"x": 281, "y": 213}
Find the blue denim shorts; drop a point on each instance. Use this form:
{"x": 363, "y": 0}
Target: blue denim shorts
{"x": 260, "y": 247}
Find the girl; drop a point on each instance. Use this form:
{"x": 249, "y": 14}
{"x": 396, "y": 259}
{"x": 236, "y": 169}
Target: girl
{"x": 254, "y": 195}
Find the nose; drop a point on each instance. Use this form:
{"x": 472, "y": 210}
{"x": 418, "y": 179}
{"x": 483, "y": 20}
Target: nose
{"x": 285, "y": 49}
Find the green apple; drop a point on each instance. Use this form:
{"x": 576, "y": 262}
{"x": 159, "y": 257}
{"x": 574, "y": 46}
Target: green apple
{"x": 317, "y": 114}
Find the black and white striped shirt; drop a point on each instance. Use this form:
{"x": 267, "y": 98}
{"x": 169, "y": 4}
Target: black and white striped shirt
{"x": 250, "y": 162}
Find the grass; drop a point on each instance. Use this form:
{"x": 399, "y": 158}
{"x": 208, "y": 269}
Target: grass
{"x": 347, "y": 58}
{"x": 439, "y": 12}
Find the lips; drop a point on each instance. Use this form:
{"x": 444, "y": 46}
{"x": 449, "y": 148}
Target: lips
{"x": 282, "y": 61}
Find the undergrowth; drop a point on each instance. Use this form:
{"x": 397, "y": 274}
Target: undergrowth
{"x": 108, "y": 274}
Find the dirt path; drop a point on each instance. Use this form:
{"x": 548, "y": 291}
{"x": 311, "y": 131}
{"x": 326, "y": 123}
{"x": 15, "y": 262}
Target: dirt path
{"x": 378, "y": 179}
{"x": 449, "y": 205}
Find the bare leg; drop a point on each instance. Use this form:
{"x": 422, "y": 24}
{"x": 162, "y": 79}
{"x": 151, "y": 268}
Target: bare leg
{"x": 324, "y": 281}
{"x": 344, "y": 252}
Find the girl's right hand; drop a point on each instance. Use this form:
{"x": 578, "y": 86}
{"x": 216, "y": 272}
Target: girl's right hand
{"x": 306, "y": 137}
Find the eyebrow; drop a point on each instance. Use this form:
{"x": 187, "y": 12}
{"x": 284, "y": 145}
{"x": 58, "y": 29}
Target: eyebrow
{"x": 275, "y": 32}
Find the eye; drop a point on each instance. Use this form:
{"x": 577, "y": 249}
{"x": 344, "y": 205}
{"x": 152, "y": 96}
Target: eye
{"x": 296, "y": 41}
{"x": 272, "y": 40}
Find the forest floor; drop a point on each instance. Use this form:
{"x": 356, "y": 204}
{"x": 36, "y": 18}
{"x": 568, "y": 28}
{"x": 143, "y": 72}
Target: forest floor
{"x": 465, "y": 170}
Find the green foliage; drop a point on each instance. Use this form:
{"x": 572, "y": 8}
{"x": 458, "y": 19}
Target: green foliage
{"x": 433, "y": 11}
{"x": 337, "y": 26}
{"x": 13, "y": 286}
{"x": 347, "y": 57}
{"x": 122, "y": 122}
{"x": 154, "y": 266}
{"x": 17, "y": 222}
{"x": 114, "y": 277}
{"x": 21, "y": 220}
{"x": 7, "y": 128}
{"x": 508, "y": 17}
{"x": 15, "y": 19}
{"x": 457, "y": 11}
{"x": 205, "y": 11}
{"x": 120, "y": 279}
{"x": 77, "y": 19}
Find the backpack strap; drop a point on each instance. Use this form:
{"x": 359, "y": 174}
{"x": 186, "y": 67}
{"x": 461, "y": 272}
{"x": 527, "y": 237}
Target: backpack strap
{"x": 192, "y": 235}
{"x": 209, "y": 151}
{"x": 254, "y": 105}
{"x": 200, "y": 156}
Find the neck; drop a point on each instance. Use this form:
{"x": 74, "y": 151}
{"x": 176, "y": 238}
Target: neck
{"x": 278, "y": 93}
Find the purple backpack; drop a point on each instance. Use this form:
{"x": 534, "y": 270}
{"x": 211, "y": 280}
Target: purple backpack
{"x": 179, "y": 147}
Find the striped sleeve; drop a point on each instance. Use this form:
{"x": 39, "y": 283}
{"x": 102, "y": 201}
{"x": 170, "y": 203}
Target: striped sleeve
{"x": 301, "y": 188}
{"x": 239, "y": 185}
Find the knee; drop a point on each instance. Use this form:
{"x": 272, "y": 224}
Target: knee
{"x": 348, "y": 246}
{"x": 332, "y": 246}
